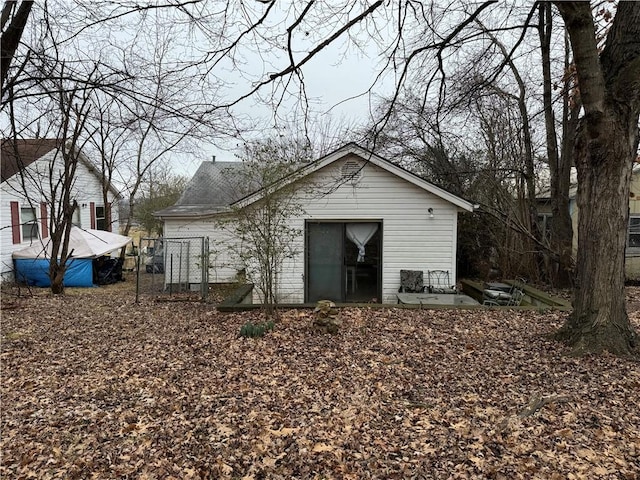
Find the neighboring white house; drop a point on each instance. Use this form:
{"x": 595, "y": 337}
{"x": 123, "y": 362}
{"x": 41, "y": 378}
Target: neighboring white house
{"x": 400, "y": 220}
{"x": 25, "y": 196}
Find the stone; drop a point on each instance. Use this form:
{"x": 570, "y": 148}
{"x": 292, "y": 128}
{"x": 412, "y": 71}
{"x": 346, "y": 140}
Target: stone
{"x": 326, "y": 318}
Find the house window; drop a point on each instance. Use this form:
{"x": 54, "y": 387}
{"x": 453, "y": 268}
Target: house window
{"x": 634, "y": 232}
{"x": 101, "y": 219}
{"x": 29, "y": 223}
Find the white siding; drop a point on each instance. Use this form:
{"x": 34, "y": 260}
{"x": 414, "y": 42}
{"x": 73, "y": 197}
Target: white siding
{"x": 87, "y": 189}
{"x": 410, "y": 238}
{"x": 222, "y": 267}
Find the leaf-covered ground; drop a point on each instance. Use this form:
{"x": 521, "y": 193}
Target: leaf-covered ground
{"x": 95, "y": 386}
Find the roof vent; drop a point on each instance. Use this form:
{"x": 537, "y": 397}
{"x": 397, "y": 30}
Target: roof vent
{"x": 351, "y": 171}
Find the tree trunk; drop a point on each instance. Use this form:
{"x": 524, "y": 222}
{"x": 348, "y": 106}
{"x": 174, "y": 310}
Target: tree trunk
{"x": 606, "y": 146}
{"x": 599, "y": 321}
{"x": 12, "y": 35}
{"x": 56, "y": 274}
{"x": 561, "y": 238}
{"x": 562, "y": 226}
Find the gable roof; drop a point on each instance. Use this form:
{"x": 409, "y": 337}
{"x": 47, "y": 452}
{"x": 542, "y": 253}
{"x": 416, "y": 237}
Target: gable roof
{"x": 367, "y": 156}
{"x": 211, "y": 190}
{"x": 18, "y": 154}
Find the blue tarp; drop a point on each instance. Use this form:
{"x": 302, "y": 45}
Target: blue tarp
{"x": 35, "y": 272}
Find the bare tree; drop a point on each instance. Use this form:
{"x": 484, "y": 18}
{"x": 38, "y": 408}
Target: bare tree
{"x": 108, "y": 140}
{"x": 264, "y": 237}
{"x": 505, "y": 184}
{"x": 56, "y": 183}
{"x": 138, "y": 134}
{"x": 73, "y": 109}
{"x": 164, "y": 190}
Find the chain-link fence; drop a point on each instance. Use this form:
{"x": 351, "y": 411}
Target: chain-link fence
{"x": 174, "y": 265}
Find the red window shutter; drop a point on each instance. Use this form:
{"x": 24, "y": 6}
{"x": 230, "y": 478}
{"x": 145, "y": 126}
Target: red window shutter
{"x": 92, "y": 211}
{"x": 15, "y": 222}
{"x": 107, "y": 214}
{"x": 44, "y": 221}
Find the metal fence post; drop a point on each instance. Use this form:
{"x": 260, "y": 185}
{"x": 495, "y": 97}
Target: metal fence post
{"x": 138, "y": 272}
{"x": 204, "y": 275}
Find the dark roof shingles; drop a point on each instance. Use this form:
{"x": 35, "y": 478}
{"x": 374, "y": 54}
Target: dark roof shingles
{"x": 16, "y": 155}
{"x": 214, "y": 184}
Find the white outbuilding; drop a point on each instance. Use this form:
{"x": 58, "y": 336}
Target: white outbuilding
{"x": 370, "y": 220}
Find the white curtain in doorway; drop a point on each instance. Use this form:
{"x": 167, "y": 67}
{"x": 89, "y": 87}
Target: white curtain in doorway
{"x": 360, "y": 234}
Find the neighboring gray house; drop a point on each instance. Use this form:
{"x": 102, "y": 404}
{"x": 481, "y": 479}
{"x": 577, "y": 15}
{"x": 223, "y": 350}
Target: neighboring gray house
{"x": 399, "y": 220}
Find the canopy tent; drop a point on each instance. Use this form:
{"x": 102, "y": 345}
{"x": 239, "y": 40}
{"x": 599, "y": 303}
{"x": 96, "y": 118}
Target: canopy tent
{"x": 85, "y": 245}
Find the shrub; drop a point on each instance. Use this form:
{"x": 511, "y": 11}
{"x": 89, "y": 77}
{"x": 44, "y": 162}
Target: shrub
{"x": 254, "y": 330}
